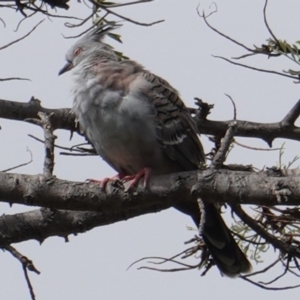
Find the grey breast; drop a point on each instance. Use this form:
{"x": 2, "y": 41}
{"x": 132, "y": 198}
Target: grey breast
{"x": 121, "y": 127}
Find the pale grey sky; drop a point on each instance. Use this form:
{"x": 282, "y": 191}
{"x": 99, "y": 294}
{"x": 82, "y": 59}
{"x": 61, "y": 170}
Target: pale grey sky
{"x": 93, "y": 265}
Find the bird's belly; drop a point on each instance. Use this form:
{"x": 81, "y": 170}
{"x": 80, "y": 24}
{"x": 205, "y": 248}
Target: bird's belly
{"x": 125, "y": 140}
{"x": 127, "y": 146}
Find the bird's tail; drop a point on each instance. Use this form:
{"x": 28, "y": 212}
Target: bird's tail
{"x": 226, "y": 253}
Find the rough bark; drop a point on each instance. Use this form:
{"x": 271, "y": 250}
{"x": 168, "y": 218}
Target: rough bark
{"x": 77, "y": 207}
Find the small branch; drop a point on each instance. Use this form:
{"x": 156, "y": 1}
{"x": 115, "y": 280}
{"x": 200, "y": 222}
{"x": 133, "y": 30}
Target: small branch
{"x": 21, "y": 165}
{"x": 69, "y": 25}
{"x": 122, "y": 17}
{"x": 292, "y": 116}
{"x": 27, "y": 264}
{"x": 270, "y": 288}
{"x": 88, "y": 29}
{"x": 241, "y": 237}
{"x": 234, "y": 107}
{"x": 257, "y": 69}
{"x": 2, "y": 21}
{"x": 25, "y": 18}
{"x": 262, "y": 50}
{"x": 45, "y": 123}
{"x": 80, "y": 151}
{"x": 283, "y": 247}
{"x": 13, "y": 78}
{"x": 220, "y": 157}
{"x": 264, "y": 270}
{"x": 221, "y": 154}
{"x": 129, "y": 3}
{"x": 22, "y": 38}
{"x": 204, "y": 17}
{"x": 202, "y": 216}
{"x": 29, "y": 285}
{"x": 255, "y": 148}
{"x": 266, "y": 23}
{"x": 61, "y": 119}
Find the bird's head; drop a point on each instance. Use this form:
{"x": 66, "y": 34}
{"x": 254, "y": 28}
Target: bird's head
{"x": 90, "y": 48}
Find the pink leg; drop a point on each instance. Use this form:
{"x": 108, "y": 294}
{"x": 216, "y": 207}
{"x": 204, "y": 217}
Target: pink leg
{"x": 144, "y": 173}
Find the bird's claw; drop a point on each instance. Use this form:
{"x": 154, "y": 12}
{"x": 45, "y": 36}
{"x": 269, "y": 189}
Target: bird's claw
{"x": 104, "y": 182}
{"x": 144, "y": 173}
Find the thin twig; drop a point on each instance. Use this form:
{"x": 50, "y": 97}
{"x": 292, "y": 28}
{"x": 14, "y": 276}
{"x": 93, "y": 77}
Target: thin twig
{"x": 204, "y": 17}
{"x": 122, "y": 17}
{"x": 292, "y": 115}
{"x": 2, "y": 21}
{"x": 81, "y": 151}
{"x": 21, "y": 165}
{"x": 69, "y": 25}
{"x": 25, "y": 18}
{"x": 27, "y": 264}
{"x": 246, "y": 240}
{"x": 267, "y": 25}
{"x": 285, "y": 248}
{"x": 220, "y": 156}
{"x": 255, "y": 148}
{"x": 264, "y": 270}
{"x": 87, "y": 30}
{"x": 13, "y": 78}
{"x": 45, "y": 123}
{"x": 29, "y": 285}
{"x": 22, "y": 38}
{"x": 270, "y": 288}
{"x": 202, "y": 216}
{"x": 234, "y": 106}
{"x": 129, "y": 3}
{"x": 163, "y": 260}
{"x": 276, "y": 278}
{"x": 256, "y": 69}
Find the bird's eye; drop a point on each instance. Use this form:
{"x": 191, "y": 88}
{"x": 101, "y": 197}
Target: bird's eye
{"x": 77, "y": 51}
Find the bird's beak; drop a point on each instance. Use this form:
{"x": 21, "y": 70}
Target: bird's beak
{"x": 67, "y": 67}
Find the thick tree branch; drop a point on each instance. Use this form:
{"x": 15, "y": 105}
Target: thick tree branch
{"x": 265, "y": 131}
{"x": 117, "y": 205}
{"x": 232, "y": 186}
{"x": 41, "y": 224}
{"x": 62, "y": 119}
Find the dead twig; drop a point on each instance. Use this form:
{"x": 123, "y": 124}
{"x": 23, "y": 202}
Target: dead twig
{"x": 21, "y": 38}
{"x": 45, "y": 123}
{"x": 13, "y": 78}
{"x": 20, "y": 165}
{"x": 221, "y": 154}
{"x": 27, "y": 264}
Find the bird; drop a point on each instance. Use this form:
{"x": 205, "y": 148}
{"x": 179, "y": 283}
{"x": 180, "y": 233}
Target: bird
{"x": 137, "y": 122}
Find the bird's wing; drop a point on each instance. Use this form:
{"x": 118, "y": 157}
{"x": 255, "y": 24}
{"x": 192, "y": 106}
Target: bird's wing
{"x": 176, "y": 130}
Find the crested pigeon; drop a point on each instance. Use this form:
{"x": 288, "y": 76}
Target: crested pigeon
{"x": 137, "y": 122}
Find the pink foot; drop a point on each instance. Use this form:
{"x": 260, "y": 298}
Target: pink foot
{"x": 137, "y": 177}
{"x": 103, "y": 183}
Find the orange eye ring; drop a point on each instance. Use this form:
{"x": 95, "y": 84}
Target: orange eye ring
{"x": 77, "y": 51}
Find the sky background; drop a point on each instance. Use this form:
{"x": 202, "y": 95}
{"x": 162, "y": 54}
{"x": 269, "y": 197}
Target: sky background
{"x": 93, "y": 265}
